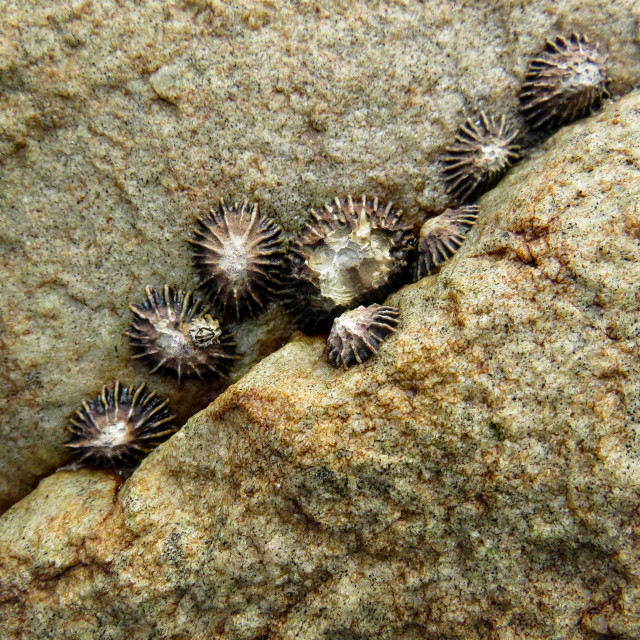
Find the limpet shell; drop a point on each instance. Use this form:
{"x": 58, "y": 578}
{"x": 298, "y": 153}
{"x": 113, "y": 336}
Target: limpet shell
{"x": 119, "y": 427}
{"x": 482, "y": 153}
{"x": 175, "y": 334}
{"x": 565, "y": 82}
{"x": 357, "y": 334}
{"x": 441, "y": 237}
{"x": 239, "y": 257}
{"x": 350, "y": 254}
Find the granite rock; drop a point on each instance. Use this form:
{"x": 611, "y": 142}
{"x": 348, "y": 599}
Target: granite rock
{"x": 479, "y": 478}
{"x": 121, "y": 122}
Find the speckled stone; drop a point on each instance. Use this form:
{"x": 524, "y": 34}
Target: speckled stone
{"x": 478, "y": 479}
{"x": 121, "y": 122}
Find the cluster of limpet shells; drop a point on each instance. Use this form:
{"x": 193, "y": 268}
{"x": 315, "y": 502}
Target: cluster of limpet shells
{"x": 565, "y": 82}
{"x": 238, "y": 254}
{"x": 351, "y": 254}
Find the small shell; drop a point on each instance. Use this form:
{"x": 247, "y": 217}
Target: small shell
{"x": 118, "y": 428}
{"x": 356, "y": 335}
{"x": 239, "y": 256}
{"x": 441, "y": 237}
{"x": 566, "y": 82}
{"x": 174, "y": 334}
{"x": 351, "y": 253}
{"x": 481, "y": 155}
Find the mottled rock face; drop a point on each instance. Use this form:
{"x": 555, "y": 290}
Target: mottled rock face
{"x": 122, "y": 122}
{"x": 479, "y": 478}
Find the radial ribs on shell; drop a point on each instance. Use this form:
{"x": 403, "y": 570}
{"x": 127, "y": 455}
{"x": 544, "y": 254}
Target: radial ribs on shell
{"x": 356, "y": 335}
{"x": 351, "y": 253}
{"x": 481, "y": 154}
{"x": 566, "y": 82}
{"x": 239, "y": 257}
{"x": 441, "y": 237}
{"x": 119, "y": 427}
{"x": 175, "y": 334}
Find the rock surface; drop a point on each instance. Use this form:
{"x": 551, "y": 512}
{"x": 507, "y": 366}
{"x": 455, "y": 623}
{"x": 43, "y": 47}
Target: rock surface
{"x": 120, "y": 122}
{"x": 479, "y": 478}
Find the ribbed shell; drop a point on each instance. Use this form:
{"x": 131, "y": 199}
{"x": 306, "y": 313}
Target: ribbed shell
{"x": 176, "y": 335}
{"x": 351, "y": 253}
{"x": 566, "y": 82}
{"x": 441, "y": 237}
{"x": 239, "y": 256}
{"x": 482, "y": 153}
{"x": 119, "y": 427}
{"x": 356, "y": 335}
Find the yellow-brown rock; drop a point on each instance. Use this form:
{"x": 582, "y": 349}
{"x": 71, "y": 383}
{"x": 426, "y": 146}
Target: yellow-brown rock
{"x": 478, "y": 479}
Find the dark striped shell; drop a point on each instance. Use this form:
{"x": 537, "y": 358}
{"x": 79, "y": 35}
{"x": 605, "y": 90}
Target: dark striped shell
{"x": 441, "y": 237}
{"x": 482, "y": 153}
{"x": 356, "y": 335}
{"x": 239, "y": 256}
{"x": 176, "y": 335}
{"x": 565, "y": 82}
{"x": 352, "y": 253}
{"x": 118, "y": 428}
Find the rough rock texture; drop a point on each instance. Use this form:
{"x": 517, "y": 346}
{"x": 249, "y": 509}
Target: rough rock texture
{"x": 120, "y": 122}
{"x": 479, "y": 479}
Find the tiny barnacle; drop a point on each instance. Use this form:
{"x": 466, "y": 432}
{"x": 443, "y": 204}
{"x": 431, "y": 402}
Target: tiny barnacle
{"x": 440, "y": 238}
{"x": 482, "y": 153}
{"x": 175, "y": 334}
{"x": 239, "y": 257}
{"x": 118, "y": 428}
{"x": 356, "y": 335}
{"x": 566, "y": 82}
{"x": 350, "y": 254}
